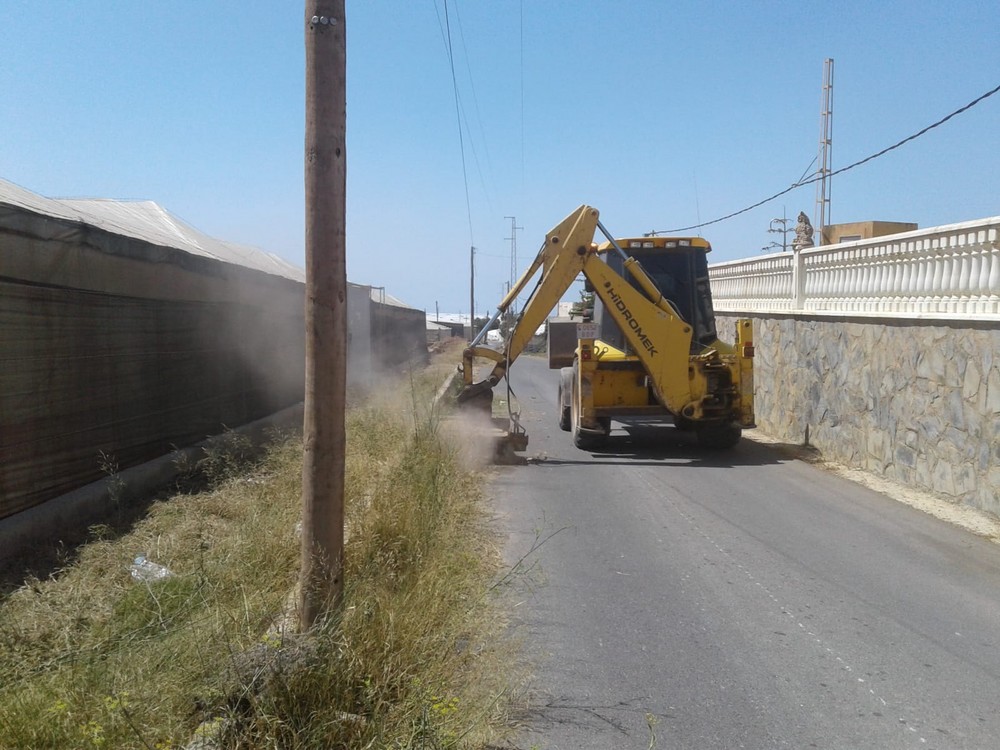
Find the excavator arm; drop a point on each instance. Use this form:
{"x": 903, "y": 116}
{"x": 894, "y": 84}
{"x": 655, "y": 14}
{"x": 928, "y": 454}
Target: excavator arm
{"x": 654, "y": 329}
{"x": 561, "y": 259}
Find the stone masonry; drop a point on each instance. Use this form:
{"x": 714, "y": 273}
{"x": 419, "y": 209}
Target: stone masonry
{"x": 915, "y": 401}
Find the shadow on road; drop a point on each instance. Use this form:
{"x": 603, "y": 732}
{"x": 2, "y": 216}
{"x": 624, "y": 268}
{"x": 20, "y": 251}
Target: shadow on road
{"x": 645, "y": 444}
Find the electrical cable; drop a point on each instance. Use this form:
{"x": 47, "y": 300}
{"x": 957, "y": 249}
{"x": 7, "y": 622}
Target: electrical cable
{"x": 804, "y": 172}
{"x": 521, "y": 66}
{"x": 817, "y": 178}
{"x": 515, "y": 416}
{"x": 458, "y": 116}
{"x": 479, "y": 120}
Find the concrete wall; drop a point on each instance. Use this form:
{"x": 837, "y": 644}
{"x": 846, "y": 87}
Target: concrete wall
{"x": 915, "y": 401}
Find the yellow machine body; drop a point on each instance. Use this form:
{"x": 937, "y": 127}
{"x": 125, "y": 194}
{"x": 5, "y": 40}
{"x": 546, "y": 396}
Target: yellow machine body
{"x": 661, "y": 367}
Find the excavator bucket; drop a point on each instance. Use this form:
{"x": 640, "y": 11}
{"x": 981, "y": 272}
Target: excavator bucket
{"x": 505, "y": 435}
{"x": 511, "y": 439}
{"x": 476, "y": 396}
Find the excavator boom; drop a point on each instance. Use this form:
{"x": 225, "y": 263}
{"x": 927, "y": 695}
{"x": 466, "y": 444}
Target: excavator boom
{"x": 559, "y": 268}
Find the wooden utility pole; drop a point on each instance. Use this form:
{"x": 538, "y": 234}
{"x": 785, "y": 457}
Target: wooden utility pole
{"x": 323, "y": 436}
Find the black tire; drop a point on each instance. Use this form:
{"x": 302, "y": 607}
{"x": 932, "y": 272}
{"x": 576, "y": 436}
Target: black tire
{"x": 683, "y": 424}
{"x": 565, "y": 417}
{"x": 585, "y": 441}
{"x": 719, "y": 436}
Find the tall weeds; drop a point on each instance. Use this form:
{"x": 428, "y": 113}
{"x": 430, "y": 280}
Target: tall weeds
{"x": 91, "y": 658}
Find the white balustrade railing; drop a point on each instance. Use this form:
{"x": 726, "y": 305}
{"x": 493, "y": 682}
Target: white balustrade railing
{"x": 764, "y": 283}
{"x": 951, "y": 270}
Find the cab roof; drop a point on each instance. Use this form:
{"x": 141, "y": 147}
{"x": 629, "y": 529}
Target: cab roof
{"x": 629, "y": 244}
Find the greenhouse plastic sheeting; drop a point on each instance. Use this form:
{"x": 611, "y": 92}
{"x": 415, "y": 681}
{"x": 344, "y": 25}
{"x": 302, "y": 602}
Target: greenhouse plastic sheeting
{"x": 116, "y": 345}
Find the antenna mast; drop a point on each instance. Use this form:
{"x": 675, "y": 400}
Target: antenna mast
{"x": 472, "y": 293}
{"x": 514, "y": 269}
{"x": 824, "y": 186}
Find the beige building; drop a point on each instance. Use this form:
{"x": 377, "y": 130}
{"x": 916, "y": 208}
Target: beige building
{"x": 863, "y": 230}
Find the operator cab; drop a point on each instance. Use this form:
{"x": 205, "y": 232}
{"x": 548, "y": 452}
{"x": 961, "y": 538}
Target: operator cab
{"x": 679, "y": 267}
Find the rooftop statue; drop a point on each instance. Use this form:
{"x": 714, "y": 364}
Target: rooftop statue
{"x": 803, "y": 233}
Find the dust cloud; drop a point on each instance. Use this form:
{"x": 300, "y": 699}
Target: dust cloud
{"x": 475, "y": 437}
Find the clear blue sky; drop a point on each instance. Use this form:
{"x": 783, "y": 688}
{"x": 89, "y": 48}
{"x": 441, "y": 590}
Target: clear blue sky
{"x": 661, "y": 114}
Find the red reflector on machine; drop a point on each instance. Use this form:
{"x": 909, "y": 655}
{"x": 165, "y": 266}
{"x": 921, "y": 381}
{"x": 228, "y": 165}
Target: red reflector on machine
{"x": 585, "y": 354}
{"x": 748, "y": 351}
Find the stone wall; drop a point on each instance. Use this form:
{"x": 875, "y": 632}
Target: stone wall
{"x": 915, "y": 401}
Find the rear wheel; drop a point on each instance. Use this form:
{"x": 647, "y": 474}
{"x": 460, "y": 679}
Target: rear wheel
{"x": 588, "y": 441}
{"x": 683, "y": 424}
{"x": 565, "y": 399}
{"x": 565, "y": 419}
{"x": 719, "y": 436}
{"x": 584, "y": 440}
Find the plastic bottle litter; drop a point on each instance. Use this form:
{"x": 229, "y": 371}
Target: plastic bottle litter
{"x": 146, "y": 570}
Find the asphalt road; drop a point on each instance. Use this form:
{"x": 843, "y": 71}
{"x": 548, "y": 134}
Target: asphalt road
{"x": 737, "y": 600}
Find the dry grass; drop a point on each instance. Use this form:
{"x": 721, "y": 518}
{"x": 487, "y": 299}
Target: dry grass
{"x": 90, "y": 658}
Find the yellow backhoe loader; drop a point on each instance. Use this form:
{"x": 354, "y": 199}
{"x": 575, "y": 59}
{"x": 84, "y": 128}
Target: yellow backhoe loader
{"x": 650, "y": 351}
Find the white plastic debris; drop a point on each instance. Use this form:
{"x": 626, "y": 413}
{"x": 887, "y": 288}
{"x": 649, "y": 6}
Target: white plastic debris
{"x": 147, "y": 570}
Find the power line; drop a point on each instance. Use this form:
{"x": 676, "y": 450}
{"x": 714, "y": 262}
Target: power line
{"x": 463, "y": 125}
{"x": 816, "y": 178}
{"x": 458, "y": 116}
{"x": 521, "y": 67}
{"x": 465, "y": 177}
{"x": 806, "y": 171}
{"x": 479, "y": 120}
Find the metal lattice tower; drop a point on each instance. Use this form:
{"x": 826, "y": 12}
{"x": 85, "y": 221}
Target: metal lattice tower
{"x": 513, "y": 250}
{"x": 824, "y": 185}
